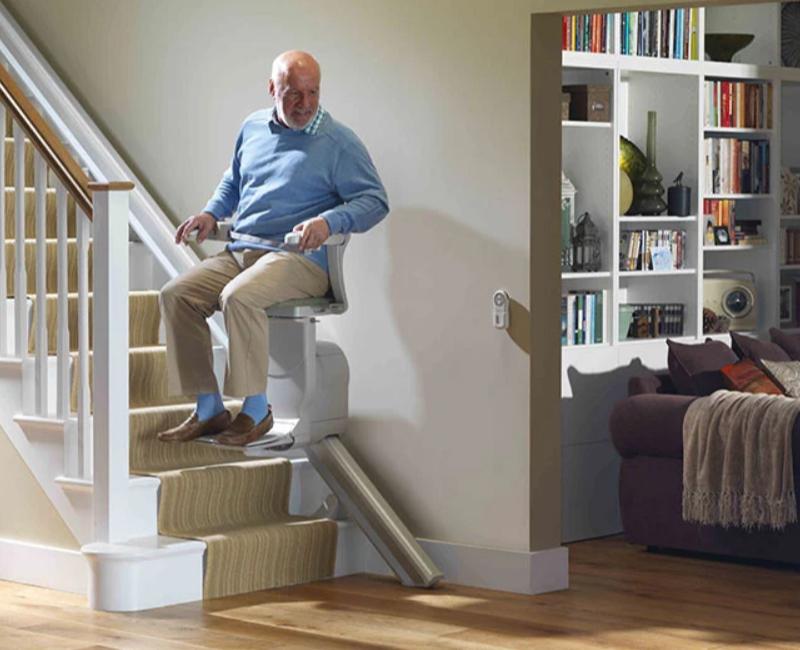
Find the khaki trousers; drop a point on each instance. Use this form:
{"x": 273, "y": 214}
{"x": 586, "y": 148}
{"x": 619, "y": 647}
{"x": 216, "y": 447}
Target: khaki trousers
{"x": 242, "y": 291}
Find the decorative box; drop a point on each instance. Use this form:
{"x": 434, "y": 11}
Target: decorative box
{"x": 590, "y": 103}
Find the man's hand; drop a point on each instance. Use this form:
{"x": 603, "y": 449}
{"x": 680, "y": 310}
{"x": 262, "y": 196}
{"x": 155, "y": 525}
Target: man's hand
{"x": 315, "y": 232}
{"x": 204, "y": 223}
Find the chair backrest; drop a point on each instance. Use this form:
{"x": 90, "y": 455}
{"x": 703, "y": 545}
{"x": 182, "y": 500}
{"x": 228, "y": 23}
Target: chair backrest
{"x": 335, "y": 302}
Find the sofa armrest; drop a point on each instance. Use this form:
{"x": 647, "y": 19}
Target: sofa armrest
{"x": 649, "y": 425}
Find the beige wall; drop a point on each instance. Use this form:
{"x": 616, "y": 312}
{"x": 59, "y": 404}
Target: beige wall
{"x": 26, "y": 513}
{"x": 438, "y": 90}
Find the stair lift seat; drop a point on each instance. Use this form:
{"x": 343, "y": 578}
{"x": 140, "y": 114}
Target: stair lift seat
{"x": 308, "y": 379}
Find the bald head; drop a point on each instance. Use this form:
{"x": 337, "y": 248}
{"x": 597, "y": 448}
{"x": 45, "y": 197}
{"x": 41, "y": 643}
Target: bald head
{"x": 294, "y": 61}
{"x": 294, "y": 86}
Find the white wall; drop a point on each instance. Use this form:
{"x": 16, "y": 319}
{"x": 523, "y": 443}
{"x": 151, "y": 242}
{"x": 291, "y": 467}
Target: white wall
{"x": 439, "y": 92}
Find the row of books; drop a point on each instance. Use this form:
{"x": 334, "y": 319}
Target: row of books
{"x": 738, "y": 104}
{"x": 651, "y": 250}
{"x": 586, "y": 33}
{"x": 719, "y": 212}
{"x": 648, "y": 321}
{"x": 582, "y": 320}
{"x": 790, "y": 246}
{"x": 734, "y": 166}
{"x": 667, "y": 33}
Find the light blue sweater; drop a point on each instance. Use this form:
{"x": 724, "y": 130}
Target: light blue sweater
{"x": 279, "y": 177}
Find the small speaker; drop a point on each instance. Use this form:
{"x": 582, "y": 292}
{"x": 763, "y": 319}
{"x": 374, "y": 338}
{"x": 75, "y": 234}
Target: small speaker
{"x": 732, "y": 296}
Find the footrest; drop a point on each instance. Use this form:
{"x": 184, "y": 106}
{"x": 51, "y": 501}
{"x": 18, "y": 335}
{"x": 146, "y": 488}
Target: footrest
{"x": 279, "y": 438}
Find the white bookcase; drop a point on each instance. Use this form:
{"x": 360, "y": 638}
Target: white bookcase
{"x": 595, "y": 376}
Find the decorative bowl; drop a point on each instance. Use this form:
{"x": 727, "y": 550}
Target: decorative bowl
{"x": 722, "y": 47}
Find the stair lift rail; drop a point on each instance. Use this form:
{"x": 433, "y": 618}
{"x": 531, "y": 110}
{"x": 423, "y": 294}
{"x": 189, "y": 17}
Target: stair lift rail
{"x": 308, "y": 389}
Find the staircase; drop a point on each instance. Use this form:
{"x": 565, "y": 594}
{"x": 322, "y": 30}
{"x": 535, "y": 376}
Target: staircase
{"x": 191, "y": 510}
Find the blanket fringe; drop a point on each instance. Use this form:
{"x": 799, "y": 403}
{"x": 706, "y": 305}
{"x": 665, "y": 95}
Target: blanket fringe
{"x": 738, "y": 509}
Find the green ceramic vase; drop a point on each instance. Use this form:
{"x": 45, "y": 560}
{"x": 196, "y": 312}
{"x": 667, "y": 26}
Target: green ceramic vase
{"x": 648, "y": 191}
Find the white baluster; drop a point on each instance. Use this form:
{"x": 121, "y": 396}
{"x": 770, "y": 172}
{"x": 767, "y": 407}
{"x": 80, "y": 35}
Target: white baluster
{"x": 110, "y": 326}
{"x": 62, "y": 319}
{"x": 20, "y": 275}
{"x": 3, "y": 278}
{"x": 84, "y": 428}
{"x": 40, "y": 188}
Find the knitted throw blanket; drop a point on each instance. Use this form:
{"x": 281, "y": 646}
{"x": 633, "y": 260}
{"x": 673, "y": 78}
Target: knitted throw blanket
{"x": 737, "y": 460}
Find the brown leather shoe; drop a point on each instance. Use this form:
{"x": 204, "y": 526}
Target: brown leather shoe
{"x": 243, "y": 430}
{"x": 192, "y": 428}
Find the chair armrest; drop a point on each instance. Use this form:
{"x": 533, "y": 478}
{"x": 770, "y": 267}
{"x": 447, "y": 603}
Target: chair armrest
{"x": 649, "y": 425}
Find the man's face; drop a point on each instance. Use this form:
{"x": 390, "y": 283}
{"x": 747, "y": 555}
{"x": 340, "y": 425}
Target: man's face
{"x": 296, "y": 96}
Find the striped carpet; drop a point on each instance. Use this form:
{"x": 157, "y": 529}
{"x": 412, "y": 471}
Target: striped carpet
{"x": 239, "y": 507}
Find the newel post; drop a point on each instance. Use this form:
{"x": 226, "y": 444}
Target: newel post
{"x": 110, "y": 372}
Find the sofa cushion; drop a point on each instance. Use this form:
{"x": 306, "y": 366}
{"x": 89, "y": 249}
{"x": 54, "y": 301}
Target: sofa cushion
{"x": 686, "y": 360}
{"x": 789, "y": 342}
{"x": 784, "y": 373}
{"x": 747, "y": 347}
{"x": 747, "y": 377}
{"x": 705, "y": 383}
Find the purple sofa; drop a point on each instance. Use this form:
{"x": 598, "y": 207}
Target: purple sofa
{"x": 646, "y": 428}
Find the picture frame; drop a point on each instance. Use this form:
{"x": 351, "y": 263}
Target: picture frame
{"x": 786, "y": 302}
{"x": 662, "y": 258}
{"x": 721, "y": 236}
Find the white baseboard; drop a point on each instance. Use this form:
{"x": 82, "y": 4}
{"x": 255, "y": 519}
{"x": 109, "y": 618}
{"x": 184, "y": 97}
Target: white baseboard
{"x": 61, "y": 569}
{"x": 534, "y": 572}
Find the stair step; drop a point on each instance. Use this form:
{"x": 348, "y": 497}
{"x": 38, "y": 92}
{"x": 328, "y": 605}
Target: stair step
{"x": 143, "y": 316}
{"x": 282, "y": 553}
{"x": 148, "y": 454}
{"x": 30, "y": 213}
{"x": 241, "y": 512}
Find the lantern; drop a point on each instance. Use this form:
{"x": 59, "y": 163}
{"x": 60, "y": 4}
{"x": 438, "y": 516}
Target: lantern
{"x": 586, "y": 245}
{"x": 567, "y": 222}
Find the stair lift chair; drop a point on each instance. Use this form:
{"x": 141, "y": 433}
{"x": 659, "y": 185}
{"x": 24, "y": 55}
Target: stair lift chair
{"x": 308, "y": 388}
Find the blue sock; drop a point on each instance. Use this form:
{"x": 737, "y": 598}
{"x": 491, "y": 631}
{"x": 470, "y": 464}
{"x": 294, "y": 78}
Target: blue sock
{"x": 209, "y": 405}
{"x": 255, "y": 406}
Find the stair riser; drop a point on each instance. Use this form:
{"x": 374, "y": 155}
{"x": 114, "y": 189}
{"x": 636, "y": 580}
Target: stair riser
{"x": 147, "y": 376}
{"x": 144, "y": 319}
{"x": 11, "y": 170}
{"x": 52, "y": 267}
{"x": 30, "y": 215}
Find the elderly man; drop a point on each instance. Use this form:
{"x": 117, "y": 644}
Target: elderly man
{"x": 294, "y": 168}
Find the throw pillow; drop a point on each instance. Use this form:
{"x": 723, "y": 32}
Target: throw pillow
{"x": 786, "y": 374}
{"x": 747, "y": 377}
{"x": 789, "y": 342}
{"x": 685, "y": 360}
{"x": 705, "y": 383}
{"x": 749, "y": 348}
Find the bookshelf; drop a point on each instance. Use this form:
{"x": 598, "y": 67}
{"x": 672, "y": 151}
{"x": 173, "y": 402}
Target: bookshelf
{"x": 595, "y": 376}
{"x": 641, "y": 83}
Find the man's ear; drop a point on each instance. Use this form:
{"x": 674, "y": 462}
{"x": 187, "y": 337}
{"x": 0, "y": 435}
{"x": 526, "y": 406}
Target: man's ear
{"x": 271, "y": 88}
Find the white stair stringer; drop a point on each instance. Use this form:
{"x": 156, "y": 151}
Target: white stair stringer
{"x": 40, "y": 443}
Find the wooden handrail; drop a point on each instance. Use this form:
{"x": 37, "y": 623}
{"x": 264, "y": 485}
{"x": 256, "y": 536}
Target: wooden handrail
{"x": 46, "y": 142}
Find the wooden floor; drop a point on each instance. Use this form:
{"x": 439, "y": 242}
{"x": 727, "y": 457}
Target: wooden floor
{"x": 620, "y": 597}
